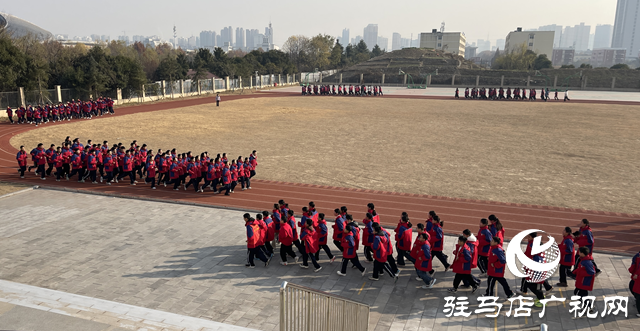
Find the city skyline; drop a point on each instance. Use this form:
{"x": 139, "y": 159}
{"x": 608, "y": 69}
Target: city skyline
{"x": 149, "y": 18}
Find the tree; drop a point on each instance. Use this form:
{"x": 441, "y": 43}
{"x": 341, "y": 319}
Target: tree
{"x": 586, "y": 66}
{"x": 320, "y": 50}
{"x": 335, "y": 59}
{"x": 567, "y": 66}
{"x": 542, "y": 62}
{"x": 12, "y": 64}
{"x": 376, "y": 51}
{"x": 520, "y": 58}
{"x": 622, "y": 66}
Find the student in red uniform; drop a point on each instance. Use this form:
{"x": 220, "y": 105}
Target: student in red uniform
{"x": 226, "y": 178}
{"x": 285, "y": 237}
{"x": 309, "y": 236}
{"x": 585, "y": 239}
{"x": 292, "y": 222}
{"x": 484, "y": 246}
{"x": 271, "y": 228}
{"x": 58, "y": 160}
{"x": 403, "y": 239}
{"x": 462, "y": 266}
{"x": 263, "y": 235}
{"x": 495, "y": 269}
{"x": 379, "y": 249}
{"x": 92, "y": 166}
{"x": 338, "y": 229}
{"x": 253, "y": 159}
{"x": 436, "y": 237}
{"x": 10, "y": 114}
{"x": 472, "y": 243}
{"x": 108, "y": 163}
{"x": 634, "y": 284}
{"x": 585, "y": 275}
{"x": 323, "y": 235}
{"x": 253, "y": 239}
{"x": 496, "y": 228}
{"x": 423, "y": 260}
{"x": 41, "y": 158}
{"x": 349, "y": 252}
{"x": 567, "y": 256}
{"x": 368, "y": 236}
{"x": 22, "y": 158}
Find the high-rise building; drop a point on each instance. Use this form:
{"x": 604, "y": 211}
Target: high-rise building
{"x": 606, "y": 57}
{"x": 450, "y": 42}
{"x": 602, "y": 37}
{"x": 541, "y": 42}
{"x": 396, "y": 41}
{"x": 240, "y": 41}
{"x": 383, "y": 43}
{"x": 483, "y": 45}
{"x": 345, "y": 37}
{"x": 625, "y": 27}
{"x": 576, "y": 37}
{"x": 406, "y": 42}
{"x": 500, "y": 44}
{"x": 558, "y": 33}
{"x": 125, "y": 39}
{"x": 253, "y": 39}
{"x": 208, "y": 39}
{"x": 268, "y": 32}
{"x": 226, "y": 36}
{"x": 356, "y": 40}
{"x": 191, "y": 42}
{"x": 138, "y": 38}
{"x": 370, "y": 35}
{"x": 562, "y": 56}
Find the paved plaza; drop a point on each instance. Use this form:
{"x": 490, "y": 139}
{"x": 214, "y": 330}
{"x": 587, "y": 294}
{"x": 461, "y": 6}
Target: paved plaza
{"x": 115, "y": 264}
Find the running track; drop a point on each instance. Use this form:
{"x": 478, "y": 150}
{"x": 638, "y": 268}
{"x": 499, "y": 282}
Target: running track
{"x": 614, "y": 232}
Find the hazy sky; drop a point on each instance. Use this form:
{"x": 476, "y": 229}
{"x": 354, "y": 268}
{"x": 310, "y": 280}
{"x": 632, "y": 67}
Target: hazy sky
{"x": 482, "y": 19}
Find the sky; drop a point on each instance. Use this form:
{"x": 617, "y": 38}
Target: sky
{"x": 485, "y": 19}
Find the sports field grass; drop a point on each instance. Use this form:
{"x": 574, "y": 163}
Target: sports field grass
{"x": 557, "y": 154}
{"x": 6, "y": 188}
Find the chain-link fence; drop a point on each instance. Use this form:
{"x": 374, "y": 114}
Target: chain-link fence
{"x": 219, "y": 84}
{"x": 9, "y": 99}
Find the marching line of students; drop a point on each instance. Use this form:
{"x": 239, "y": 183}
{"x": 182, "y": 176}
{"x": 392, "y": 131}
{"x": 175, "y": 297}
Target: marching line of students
{"x": 499, "y": 94}
{"x": 113, "y": 164}
{"x": 358, "y": 90}
{"x": 484, "y": 251}
{"x": 42, "y": 114}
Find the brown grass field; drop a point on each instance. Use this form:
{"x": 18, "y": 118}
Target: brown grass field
{"x": 556, "y": 154}
{"x": 6, "y": 188}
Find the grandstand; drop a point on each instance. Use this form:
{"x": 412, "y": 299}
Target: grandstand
{"x": 18, "y": 27}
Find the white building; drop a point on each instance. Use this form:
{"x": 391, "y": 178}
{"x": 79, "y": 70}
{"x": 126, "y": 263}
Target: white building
{"x": 383, "y": 43}
{"x": 626, "y": 26}
{"x": 345, "y": 37}
{"x": 558, "y": 33}
{"x": 541, "y": 42}
{"x": 450, "y": 42}
{"x": 396, "y": 41}
{"x": 370, "y": 35}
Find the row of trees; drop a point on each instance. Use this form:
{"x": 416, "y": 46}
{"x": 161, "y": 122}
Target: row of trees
{"x": 521, "y": 59}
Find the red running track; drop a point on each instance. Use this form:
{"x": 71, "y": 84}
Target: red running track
{"x": 614, "y": 232}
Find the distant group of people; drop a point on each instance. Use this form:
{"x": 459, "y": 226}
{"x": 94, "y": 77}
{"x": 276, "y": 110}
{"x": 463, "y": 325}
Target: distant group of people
{"x": 358, "y": 90}
{"x": 100, "y": 162}
{"x": 508, "y": 94}
{"x": 46, "y": 113}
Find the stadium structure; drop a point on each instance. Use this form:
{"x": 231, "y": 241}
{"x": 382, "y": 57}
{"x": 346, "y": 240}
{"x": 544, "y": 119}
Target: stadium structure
{"x": 18, "y": 27}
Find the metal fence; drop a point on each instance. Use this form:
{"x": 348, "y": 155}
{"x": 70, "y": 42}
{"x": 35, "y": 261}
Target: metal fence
{"x": 9, "y": 99}
{"x": 306, "y": 309}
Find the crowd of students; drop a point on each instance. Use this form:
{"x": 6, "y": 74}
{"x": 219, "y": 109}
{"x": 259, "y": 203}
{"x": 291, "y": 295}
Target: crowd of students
{"x": 111, "y": 164}
{"x": 483, "y": 251}
{"x": 500, "y": 94}
{"x": 42, "y": 114}
{"x": 358, "y": 90}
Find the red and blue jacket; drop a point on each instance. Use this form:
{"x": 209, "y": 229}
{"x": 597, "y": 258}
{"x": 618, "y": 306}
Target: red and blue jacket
{"x": 276, "y": 218}
{"x": 367, "y": 237}
{"x": 379, "y": 248}
{"x": 387, "y": 242}
{"x": 338, "y": 228}
{"x": 76, "y": 161}
{"x": 92, "y": 161}
{"x": 496, "y": 262}
{"x": 349, "y": 246}
{"x": 151, "y": 168}
{"x": 567, "y": 251}
{"x": 496, "y": 233}
{"x": 310, "y": 239}
{"x": 436, "y": 237}
{"x": 173, "y": 171}
{"x": 423, "y": 257}
{"x": 253, "y": 234}
{"x": 285, "y": 235}
{"x": 585, "y": 273}
{"x": 127, "y": 163}
{"x": 586, "y": 238}
{"x": 271, "y": 228}
{"x": 403, "y": 236}
{"x": 635, "y": 271}
{"x": 22, "y": 158}
{"x": 226, "y": 176}
{"x": 484, "y": 241}
{"x": 108, "y": 163}
{"x": 323, "y": 232}
{"x": 462, "y": 262}
{"x": 50, "y": 153}
{"x": 292, "y": 223}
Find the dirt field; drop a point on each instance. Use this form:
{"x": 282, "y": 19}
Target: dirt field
{"x": 558, "y": 154}
{"x": 6, "y": 188}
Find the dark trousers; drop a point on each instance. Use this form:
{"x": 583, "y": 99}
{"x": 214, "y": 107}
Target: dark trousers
{"x": 535, "y": 289}
{"x": 305, "y": 259}
{"x": 299, "y": 245}
{"x": 129, "y": 173}
{"x": 459, "y": 277}
{"x": 338, "y": 244}
{"x": 108, "y": 175}
{"x": 67, "y": 169}
{"x": 195, "y": 182}
{"x": 22, "y": 170}
{"x": 228, "y": 188}
{"x": 269, "y": 248}
{"x": 59, "y": 172}
{"x": 483, "y": 262}
{"x": 354, "y": 261}
{"x": 564, "y": 271}
{"x": 402, "y": 254}
{"x": 380, "y": 268}
{"x": 175, "y": 182}
{"x": 392, "y": 263}
{"x": 326, "y": 249}
{"x": 49, "y": 169}
{"x": 80, "y": 172}
{"x": 93, "y": 175}
{"x": 635, "y": 295}
{"x": 286, "y": 250}
{"x": 151, "y": 180}
{"x": 443, "y": 258}
{"x": 256, "y": 252}
{"x": 367, "y": 253}
{"x": 41, "y": 170}
{"x": 475, "y": 279}
{"x": 491, "y": 284}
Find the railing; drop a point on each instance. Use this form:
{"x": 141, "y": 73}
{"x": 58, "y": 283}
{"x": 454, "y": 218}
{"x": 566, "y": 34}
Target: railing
{"x": 306, "y": 309}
